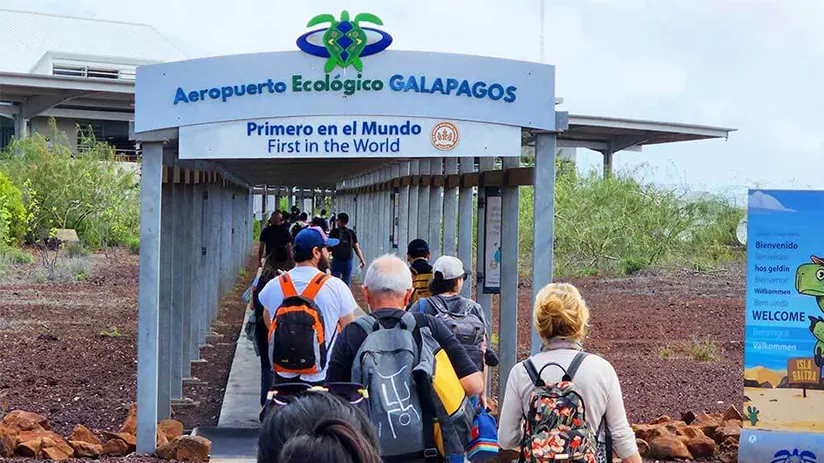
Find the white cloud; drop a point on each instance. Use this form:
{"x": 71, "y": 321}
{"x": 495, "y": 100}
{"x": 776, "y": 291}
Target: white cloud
{"x": 762, "y": 201}
{"x": 751, "y": 64}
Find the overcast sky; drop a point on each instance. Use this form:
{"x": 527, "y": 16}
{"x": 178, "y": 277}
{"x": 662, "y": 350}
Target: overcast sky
{"x": 755, "y": 65}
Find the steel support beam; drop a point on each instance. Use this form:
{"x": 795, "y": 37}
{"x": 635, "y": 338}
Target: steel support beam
{"x": 148, "y": 302}
{"x": 165, "y": 327}
{"x": 450, "y": 213}
{"x": 484, "y": 164}
{"x": 404, "y": 211}
{"x": 188, "y": 267}
{"x": 197, "y": 275}
{"x": 435, "y": 209}
{"x": 465, "y": 210}
{"x": 423, "y": 203}
{"x": 543, "y": 217}
{"x": 178, "y": 298}
{"x": 414, "y": 217}
{"x": 508, "y": 317}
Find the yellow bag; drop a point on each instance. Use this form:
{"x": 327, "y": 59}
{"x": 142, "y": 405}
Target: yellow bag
{"x": 420, "y": 286}
{"x": 458, "y": 408}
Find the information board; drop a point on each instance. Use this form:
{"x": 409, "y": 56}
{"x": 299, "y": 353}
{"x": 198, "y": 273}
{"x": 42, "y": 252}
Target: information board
{"x": 347, "y": 137}
{"x": 784, "y": 345}
{"x": 492, "y": 240}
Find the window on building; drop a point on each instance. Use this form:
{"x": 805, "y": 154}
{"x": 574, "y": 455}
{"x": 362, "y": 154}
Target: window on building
{"x": 90, "y": 72}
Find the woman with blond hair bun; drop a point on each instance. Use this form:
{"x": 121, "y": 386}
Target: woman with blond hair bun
{"x": 561, "y": 317}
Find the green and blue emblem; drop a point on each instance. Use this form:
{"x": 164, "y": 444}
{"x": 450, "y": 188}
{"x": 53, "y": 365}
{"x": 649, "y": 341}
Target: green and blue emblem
{"x": 345, "y": 41}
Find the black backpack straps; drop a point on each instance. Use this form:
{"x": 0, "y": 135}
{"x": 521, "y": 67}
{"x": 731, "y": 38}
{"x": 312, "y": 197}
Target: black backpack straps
{"x": 438, "y": 303}
{"x": 409, "y": 322}
{"x": 576, "y": 363}
{"x": 533, "y": 373}
{"x": 367, "y": 323}
{"x": 426, "y": 395}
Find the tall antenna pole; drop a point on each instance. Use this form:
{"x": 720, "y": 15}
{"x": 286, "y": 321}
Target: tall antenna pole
{"x": 541, "y": 44}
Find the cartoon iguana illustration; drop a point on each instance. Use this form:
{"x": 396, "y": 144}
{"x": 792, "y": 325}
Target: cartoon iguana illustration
{"x": 809, "y": 281}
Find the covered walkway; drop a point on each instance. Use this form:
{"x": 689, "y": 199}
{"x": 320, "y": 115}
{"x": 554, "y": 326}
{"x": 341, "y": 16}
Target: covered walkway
{"x": 453, "y": 180}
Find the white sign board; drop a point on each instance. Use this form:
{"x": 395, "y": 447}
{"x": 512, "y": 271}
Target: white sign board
{"x": 347, "y": 137}
{"x": 391, "y": 83}
{"x": 492, "y": 242}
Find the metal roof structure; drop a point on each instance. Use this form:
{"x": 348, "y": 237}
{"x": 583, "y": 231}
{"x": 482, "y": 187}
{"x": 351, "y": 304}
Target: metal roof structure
{"x": 60, "y": 96}
{"x": 27, "y": 37}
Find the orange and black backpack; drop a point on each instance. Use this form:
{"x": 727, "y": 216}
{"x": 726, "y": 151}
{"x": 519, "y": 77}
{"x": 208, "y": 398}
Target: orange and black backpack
{"x": 297, "y": 337}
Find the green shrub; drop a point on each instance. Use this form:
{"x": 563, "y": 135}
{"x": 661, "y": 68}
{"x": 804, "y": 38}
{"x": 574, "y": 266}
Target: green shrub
{"x": 75, "y": 250}
{"x": 12, "y": 212}
{"x": 112, "y": 332}
{"x": 621, "y": 225}
{"x": 256, "y": 227}
{"x": 87, "y": 191}
{"x": 133, "y": 243}
{"x": 16, "y": 256}
{"x": 630, "y": 265}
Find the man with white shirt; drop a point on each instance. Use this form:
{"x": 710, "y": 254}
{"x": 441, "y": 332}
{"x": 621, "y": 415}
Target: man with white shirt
{"x": 308, "y": 320}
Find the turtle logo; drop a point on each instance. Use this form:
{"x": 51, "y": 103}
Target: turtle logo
{"x": 344, "y": 42}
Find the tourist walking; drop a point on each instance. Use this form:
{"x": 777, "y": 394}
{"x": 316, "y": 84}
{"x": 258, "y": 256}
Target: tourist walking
{"x": 305, "y": 308}
{"x": 343, "y": 253}
{"x": 275, "y": 238}
{"x": 464, "y": 317}
{"x": 274, "y": 265}
{"x": 417, "y": 254}
{"x": 385, "y": 349}
{"x": 591, "y": 406}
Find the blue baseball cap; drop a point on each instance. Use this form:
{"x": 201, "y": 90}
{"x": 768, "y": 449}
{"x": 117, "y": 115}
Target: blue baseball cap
{"x": 313, "y": 237}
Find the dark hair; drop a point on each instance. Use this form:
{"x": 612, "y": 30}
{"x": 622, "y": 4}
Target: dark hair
{"x": 317, "y": 222}
{"x": 302, "y": 255}
{"x": 343, "y": 217}
{"x": 317, "y": 428}
{"x": 323, "y": 212}
{"x": 439, "y": 286}
{"x": 418, "y": 253}
{"x": 303, "y": 217}
{"x": 278, "y": 259}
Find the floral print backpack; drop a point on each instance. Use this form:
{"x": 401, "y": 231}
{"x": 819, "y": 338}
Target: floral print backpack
{"x": 556, "y": 428}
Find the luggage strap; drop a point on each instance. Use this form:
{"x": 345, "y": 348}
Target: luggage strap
{"x": 311, "y": 292}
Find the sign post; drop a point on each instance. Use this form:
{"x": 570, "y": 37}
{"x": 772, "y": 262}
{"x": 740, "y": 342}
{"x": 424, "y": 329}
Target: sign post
{"x": 803, "y": 372}
{"x": 492, "y": 240}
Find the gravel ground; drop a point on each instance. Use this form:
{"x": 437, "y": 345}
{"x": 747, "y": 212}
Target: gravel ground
{"x": 54, "y": 361}
{"x": 634, "y": 318}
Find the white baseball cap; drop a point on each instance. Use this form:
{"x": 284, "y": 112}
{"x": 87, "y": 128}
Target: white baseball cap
{"x": 450, "y": 267}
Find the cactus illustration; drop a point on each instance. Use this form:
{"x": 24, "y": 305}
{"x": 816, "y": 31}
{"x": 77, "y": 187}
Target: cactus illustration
{"x": 752, "y": 415}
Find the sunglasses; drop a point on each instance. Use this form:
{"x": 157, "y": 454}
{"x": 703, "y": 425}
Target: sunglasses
{"x": 282, "y": 394}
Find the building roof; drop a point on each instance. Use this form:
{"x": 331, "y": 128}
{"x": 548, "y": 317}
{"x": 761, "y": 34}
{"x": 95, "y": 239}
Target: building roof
{"x": 27, "y": 37}
{"x": 616, "y": 134}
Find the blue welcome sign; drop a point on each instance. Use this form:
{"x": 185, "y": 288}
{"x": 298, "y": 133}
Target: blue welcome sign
{"x": 784, "y": 349}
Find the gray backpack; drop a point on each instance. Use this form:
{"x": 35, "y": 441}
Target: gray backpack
{"x": 388, "y": 364}
{"x": 467, "y": 327}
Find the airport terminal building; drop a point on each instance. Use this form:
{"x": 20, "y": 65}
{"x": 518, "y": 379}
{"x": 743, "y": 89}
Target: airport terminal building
{"x": 79, "y": 71}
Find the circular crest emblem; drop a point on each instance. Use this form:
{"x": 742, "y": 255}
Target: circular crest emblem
{"x": 445, "y": 136}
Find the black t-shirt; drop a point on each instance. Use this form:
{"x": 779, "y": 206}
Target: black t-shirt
{"x": 350, "y": 340}
{"x": 273, "y": 237}
{"x": 348, "y": 239}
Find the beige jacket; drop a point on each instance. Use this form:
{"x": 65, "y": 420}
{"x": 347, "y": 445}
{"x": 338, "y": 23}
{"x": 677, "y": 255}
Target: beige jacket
{"x": 599, "y": 387}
